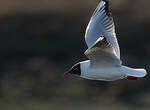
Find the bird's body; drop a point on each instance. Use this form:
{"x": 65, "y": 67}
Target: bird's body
{"x": 100, "y": 73}
{"x": 103, "y": 50}
{"x": 109, "y": 73}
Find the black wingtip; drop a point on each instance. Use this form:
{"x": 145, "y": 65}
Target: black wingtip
{"x": 105, "y": 0}
{"x": 107, "y": 8}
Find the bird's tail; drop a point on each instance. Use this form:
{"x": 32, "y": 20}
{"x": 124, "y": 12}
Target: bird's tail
{"x": 132, "y": 73}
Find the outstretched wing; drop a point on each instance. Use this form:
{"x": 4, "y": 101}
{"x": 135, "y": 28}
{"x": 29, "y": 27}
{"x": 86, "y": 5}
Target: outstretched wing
{"x": 101, "y": 24}
{"x": 102, "y": 53}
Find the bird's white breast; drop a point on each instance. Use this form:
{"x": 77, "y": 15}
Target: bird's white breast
{"x": 100, "y": 73}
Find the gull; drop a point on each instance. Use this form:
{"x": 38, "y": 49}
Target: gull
{"x": 103, "y": 50}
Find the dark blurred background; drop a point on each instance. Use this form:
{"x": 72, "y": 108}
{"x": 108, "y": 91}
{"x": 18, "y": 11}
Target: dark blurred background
{"x": 41, "y": 39}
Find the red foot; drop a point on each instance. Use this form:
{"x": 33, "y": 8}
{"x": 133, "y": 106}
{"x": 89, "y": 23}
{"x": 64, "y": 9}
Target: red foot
{"x": 132, "y": 77}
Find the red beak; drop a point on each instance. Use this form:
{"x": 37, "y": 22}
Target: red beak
{"x": 65, "y": 74}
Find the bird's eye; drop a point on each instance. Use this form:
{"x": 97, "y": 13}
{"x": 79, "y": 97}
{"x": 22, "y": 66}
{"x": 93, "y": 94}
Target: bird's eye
{"x": 75, "y": 68}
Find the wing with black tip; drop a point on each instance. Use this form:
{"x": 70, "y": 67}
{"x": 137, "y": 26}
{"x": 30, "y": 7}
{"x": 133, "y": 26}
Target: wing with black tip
{"x": 102, "y": 24}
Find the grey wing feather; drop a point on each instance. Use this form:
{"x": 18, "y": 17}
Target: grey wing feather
{"x": 102, "y": 52}
{"x": 102, "y": 24}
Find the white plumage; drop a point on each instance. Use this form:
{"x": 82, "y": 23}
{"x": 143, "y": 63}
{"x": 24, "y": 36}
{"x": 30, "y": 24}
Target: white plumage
{"x": 103, "y": 49}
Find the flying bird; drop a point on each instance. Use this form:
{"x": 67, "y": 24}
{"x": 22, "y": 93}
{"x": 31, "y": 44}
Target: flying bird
{"x": 103, "y": 50}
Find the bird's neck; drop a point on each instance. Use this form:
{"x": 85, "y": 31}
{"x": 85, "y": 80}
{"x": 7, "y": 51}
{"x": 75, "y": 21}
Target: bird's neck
{"x": 84, "y": 65}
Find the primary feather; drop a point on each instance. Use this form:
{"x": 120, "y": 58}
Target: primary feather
{"x": 102, "y": 24}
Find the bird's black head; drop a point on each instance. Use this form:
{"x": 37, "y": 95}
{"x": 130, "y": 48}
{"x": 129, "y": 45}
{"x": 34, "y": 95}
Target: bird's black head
{"x": 74, "y": 70}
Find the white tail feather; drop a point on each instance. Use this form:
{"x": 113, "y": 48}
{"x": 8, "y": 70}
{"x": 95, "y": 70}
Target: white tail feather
{"x": 133, "y": 72}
